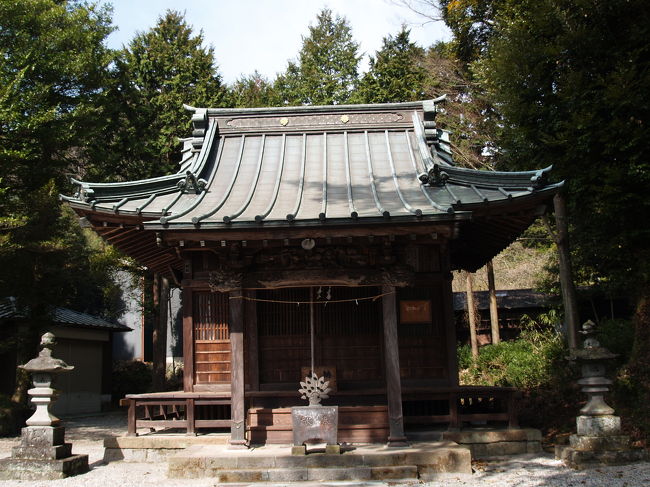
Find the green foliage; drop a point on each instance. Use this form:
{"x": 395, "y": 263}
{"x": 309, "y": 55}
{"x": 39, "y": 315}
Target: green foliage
{"x": 533, "y": 360}
{"x": 326, "y": 71}
{"x": 617, "y": 336}
{"x": 577, "y": 100}
{"x": 252, "y": 91}
{"x": 130, "y": 377}
{"x": 396, "y": 72}
{"x": 51, "y": 81}
{"x": 157, "y": 73}
{"x": 12, "y": 416}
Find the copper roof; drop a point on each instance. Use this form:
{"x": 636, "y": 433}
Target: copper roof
{"x": 283, "y": 166}
{"x": 305, "y": 166}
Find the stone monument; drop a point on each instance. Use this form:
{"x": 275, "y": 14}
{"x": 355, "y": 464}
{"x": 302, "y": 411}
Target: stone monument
{"x": 598, "y": 440}
{"x": 43, "y": 453}
{"x": 315, "y": 423}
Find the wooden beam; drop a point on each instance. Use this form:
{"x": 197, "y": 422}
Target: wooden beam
{"x": 237, "y": 408}
{"x": 217, "y": 235}
{"x": 396, "y": 435}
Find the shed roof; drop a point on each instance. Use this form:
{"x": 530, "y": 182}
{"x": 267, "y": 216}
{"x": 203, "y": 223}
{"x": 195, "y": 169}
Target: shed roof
{"x": 316, "y": 165}
{"x": 63, "y": 316}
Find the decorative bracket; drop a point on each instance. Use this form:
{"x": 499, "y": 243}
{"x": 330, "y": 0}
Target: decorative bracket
{"x": 224, "y": 281}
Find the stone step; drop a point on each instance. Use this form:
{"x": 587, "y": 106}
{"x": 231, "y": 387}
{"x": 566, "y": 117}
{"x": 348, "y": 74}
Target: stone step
{"x": 277, "y": 464}
{"x": 401, "y": 473}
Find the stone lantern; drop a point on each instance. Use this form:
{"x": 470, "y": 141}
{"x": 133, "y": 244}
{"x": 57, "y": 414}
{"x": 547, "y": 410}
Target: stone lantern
{"x": 598, "y": 440}
{"x": 43, "y": 452}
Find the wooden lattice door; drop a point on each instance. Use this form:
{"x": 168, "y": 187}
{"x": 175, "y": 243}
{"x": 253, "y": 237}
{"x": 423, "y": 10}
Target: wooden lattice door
{"x": 212, "y": 353}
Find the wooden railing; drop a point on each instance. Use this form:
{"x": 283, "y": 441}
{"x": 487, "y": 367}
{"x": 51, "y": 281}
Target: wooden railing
{"x": 464, "y": 404}
{"x": 427, "y": 405}
{"x": 177, "y": 410}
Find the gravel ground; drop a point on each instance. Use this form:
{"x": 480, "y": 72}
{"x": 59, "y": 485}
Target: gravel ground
{"x": 86, "y": 434}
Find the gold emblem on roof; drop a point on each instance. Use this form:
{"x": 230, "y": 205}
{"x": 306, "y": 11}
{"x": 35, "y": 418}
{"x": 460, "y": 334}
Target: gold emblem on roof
{"x": 284, "y": 121}
{"x": 345, "y": 118}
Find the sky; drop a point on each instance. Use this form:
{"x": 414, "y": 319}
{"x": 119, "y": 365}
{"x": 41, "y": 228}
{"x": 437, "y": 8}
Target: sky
{"x": 262, "y": 35}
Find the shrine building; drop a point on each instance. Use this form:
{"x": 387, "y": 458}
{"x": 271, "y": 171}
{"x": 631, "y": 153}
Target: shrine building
{"x": 317, "y": 238}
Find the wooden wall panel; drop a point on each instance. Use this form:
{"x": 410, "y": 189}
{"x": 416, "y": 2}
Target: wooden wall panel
{"x": 347, "y": 335}
{"x": 212, "y": 352}
{"x": 422, "y": 346}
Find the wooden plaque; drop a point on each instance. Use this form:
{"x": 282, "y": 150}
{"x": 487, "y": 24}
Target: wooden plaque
{"x": 415, "y": 311}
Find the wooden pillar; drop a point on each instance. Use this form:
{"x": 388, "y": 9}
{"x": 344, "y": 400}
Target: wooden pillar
{"x": 471, "y": 313}
{"x": 391, "y": 356}
{"x": 237, "y": 405}
{"x": 252, "y": 350}
{"x": 159, "y": 336}
{"x": 188, "y": 341}
{"x": 494, "y": 310}
{"x": 450, "y": 328}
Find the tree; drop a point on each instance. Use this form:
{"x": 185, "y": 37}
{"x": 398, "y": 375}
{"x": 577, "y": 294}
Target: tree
{"x": 252, "y": 91}
{"x": 157, "y": 73}
{"x": 326, "y": 71}
{"x": 571, "y": 78}
{"x": 470, "y": 116}
{"x": 396, "y": 72}
{"x": 51, "y": 81}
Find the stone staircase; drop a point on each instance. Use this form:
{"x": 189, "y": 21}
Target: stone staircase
{"x": 274, "y": 463}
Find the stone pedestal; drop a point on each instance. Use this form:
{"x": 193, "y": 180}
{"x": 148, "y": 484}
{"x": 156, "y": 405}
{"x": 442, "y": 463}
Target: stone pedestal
{"x": 315, "y": 424}
{"x": 598, "y": 442}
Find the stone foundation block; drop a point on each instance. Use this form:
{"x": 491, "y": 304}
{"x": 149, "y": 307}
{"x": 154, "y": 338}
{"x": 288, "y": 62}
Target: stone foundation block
{"x": 604, "y": 443}
{"x": 42, "y": 452}
{"x": 42, "y": 436}
{"x": 588, "y": 459}
{"x": 394, "y": 472}
{"x": 598, "y": 425}
{"x": 31, "y": 469}
{"x": 333, "y": 474}
{"x": 288, "y": 475}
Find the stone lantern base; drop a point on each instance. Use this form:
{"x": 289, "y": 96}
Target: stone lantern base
{"x": 42, "y": 455}
{"x": 598, "y": 442}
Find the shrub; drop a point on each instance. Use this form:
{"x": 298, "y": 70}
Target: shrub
{"x": 130, "y": 377}
{"x": 12, "y": 416}
{"x": 533, "y": 360}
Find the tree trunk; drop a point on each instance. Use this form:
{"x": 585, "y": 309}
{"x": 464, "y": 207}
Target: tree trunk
{"x": 566, "y": 272}
{"x": 639, "y": 364}
{"x": 494, "y": 310}
{"x": 160, "y": 318}
{"x": 471, "y": 313}
{"x": 569, "y": 298}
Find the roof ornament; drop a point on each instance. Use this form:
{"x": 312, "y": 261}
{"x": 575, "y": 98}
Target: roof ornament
{"x": 435, "y": 177}
{"x": 84, "y": 194}
{"x": 431, "y": 109}
{"x": 539, "y": 179}
{"x": 192, "y": 183}
{"x": 199, "y": 126}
